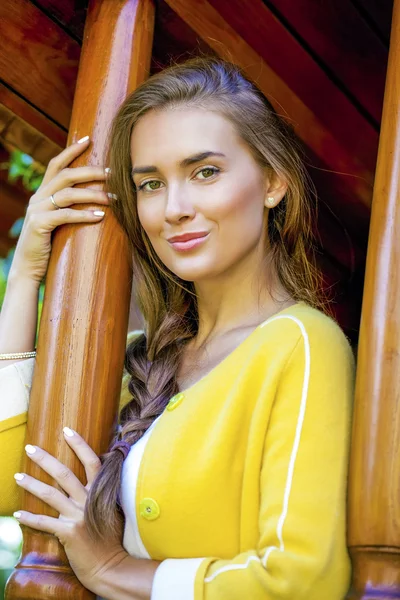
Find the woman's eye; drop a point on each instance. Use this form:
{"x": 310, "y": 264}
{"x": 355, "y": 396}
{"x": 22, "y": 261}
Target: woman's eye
{"x": 207, "y": 172}
{"x": 154, "y": 185}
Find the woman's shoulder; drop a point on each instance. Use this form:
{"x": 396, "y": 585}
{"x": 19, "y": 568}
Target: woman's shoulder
{"x": 302, "y": 340}
{"x": 302, "y": 322}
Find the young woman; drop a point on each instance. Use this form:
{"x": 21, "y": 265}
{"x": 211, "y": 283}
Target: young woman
{"x": 228, "y": 470}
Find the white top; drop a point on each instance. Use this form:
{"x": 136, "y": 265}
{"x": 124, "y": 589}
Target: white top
{"x": 130, "y": 470}
{"x": 170, "y": 570}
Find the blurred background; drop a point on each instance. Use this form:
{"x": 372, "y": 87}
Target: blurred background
{"x": 20, "y": 176}
{"x": 10, "y": 548}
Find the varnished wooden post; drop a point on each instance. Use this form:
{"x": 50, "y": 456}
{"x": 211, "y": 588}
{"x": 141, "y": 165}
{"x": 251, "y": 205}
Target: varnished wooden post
{"x": 374, "y": 494}
{"x": 83, "y": 329}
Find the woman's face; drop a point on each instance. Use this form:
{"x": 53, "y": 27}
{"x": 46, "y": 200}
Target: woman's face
{"x": 193, "y": 174}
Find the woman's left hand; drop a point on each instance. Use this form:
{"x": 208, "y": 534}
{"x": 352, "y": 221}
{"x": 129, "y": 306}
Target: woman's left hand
{"x": 88, "y": 558}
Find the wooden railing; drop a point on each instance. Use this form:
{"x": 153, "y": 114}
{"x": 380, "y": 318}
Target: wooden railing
{"x": 374, "y": 492}
{"x": 82, "y": 338}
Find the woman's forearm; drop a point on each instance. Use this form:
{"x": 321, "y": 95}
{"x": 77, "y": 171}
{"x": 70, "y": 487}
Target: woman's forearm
{"x": 18, "y": 316}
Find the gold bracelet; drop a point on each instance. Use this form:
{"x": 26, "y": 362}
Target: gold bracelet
{"x": 18, "y": 355}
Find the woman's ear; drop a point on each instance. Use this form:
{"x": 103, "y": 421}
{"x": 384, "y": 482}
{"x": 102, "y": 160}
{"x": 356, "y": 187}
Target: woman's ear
{"x": 276, "y": 188}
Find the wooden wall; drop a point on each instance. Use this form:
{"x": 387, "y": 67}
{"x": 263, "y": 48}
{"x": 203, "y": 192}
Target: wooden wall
{"x": 322, "y": 64}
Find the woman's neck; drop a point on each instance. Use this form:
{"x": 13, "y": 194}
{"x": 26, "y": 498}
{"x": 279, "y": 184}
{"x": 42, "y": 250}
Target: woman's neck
{"x": 236, "y": 301}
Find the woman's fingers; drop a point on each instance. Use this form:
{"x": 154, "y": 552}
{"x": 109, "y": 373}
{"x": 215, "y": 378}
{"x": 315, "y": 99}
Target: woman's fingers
{"x": 43, "y": 216}
{"x": 59, "y": 472}
{"x": 57, "y": 527}
{"x": 69, "y": 196}
{"x": 66, "y": 179}
{"x": 48, "y": 494}
{"x": 45, "y": 222}
{"x": 84, "y": 452}
{"x": 62, "y": 160}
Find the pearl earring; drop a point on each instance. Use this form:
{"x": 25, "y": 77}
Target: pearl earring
{"x": 271, "y": 200}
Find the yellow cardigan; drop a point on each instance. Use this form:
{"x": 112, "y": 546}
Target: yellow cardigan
{"x": 241, "y": 490}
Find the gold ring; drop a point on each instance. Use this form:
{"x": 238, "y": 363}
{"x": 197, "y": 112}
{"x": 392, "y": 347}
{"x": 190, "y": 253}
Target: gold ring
{"x": 53, "y": 201}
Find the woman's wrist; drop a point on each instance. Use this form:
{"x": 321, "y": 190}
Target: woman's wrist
{"x": 130, "y": 579}
{"x": 17, "y": 278}
{"x": 18, "y": 316}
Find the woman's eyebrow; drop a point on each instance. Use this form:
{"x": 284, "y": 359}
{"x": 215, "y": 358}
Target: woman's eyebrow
{"x": 186, "y": 162}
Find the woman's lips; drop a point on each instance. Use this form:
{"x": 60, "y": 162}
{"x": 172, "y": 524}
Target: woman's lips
{"x": 189, "y": 244}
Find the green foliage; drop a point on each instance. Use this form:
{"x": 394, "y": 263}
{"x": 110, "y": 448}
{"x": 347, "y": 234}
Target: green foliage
{"x": 21, "y": 167}
{"x": 10, "y": 548}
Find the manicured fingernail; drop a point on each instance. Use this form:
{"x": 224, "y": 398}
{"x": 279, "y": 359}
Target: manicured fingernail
{"x": 99, "y": 213}
{"x": 17, "y": 514}
{"x": 19, "y": 476}
{"x": 82, "y": 140}
{"x": 107, "y": 170}
{"x": 67, "y": 430}
{"x": 30, "y": 449}
{"x": 113, "y": 196}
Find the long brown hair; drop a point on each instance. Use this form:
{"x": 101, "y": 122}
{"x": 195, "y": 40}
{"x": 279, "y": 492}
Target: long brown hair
{"x": 168, "y": 303}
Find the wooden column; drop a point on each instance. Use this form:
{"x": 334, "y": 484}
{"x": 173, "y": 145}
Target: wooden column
{"x": 374, "y": 494}
{"x": 83, "y": 329}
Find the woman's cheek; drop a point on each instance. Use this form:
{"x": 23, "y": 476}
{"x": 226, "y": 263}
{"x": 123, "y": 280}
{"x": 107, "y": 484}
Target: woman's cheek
{"x": 226, "y": 198}
{"x": 149, "y": 216}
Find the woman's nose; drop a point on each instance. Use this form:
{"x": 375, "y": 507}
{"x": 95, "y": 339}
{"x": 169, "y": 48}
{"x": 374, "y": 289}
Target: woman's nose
{"x": 178, "y": 204}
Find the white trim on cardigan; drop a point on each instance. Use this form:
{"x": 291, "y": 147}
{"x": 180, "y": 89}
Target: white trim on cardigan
{"x": 293, "y": 456}
{"x": 299, "y": 427}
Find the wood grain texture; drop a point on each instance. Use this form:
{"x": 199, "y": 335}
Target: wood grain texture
{"x": 374, "y": 493}
{"x": 378, "y": 14}
{"x": 82, "y": 336}
{"x": 303, "y": 76}
{"x": 70, "y": 13}
{"x": 343, "y": 44}
{"x": 174, "y": 40}
{"x": 38, "y": 60}
{"x": 325, "y": 141}
{"x": 25, "y": 112}
{"x": 20, "y": 134}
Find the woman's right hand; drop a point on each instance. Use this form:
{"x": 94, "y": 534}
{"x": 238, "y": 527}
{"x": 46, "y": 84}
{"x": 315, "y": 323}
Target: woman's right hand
{"x": 42, "y": 217}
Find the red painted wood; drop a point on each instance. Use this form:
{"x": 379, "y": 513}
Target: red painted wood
{"x": 342, "y": 40}
{"x": 70, "y": 13}
{"x": 25, "y": 111}
{"x": 174, "y": 40}
{"x": 378, "y": 13}
{"x": 38, "y": 60}
{"x": 334, "y": 153}
{"x": 256, "y": 24}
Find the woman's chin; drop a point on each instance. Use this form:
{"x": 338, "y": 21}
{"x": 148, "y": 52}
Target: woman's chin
{"x": 194, "y": 273}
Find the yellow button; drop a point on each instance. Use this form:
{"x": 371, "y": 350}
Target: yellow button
{"x": 149, "y": 509}
{"x": 175, "y": 401}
